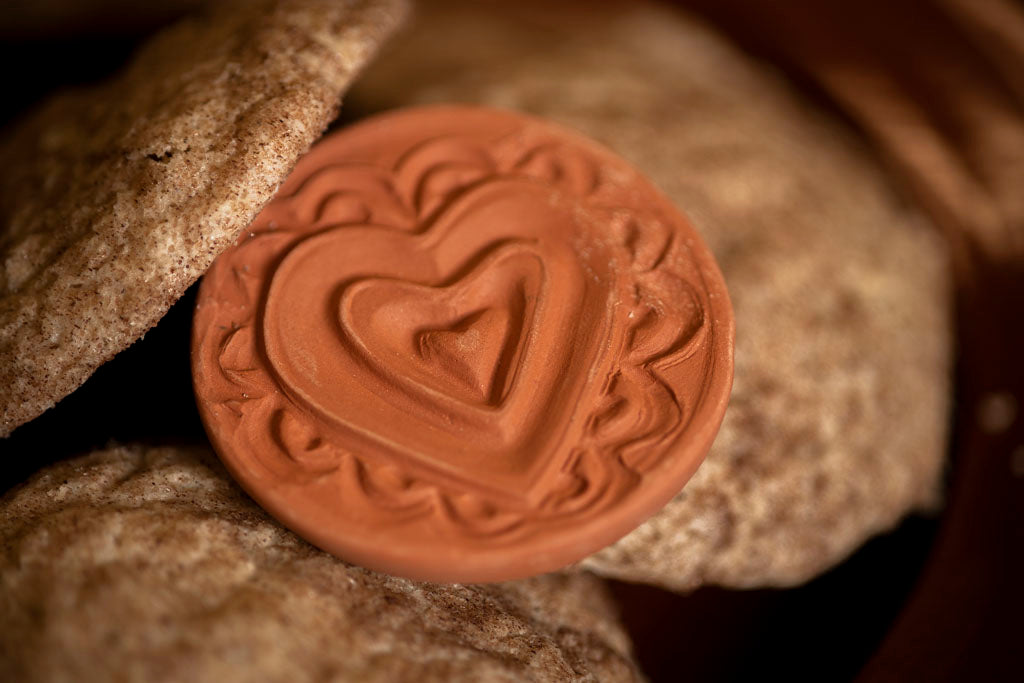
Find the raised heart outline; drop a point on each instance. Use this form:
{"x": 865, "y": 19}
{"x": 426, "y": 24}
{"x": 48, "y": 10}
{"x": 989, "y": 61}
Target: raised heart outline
{"x": 620, "y": 430}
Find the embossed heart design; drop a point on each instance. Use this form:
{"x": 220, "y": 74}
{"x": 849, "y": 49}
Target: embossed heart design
{"x": 462, "y": 340}
{"x": 463, "y": 345}
{"x": 480, "y": 328}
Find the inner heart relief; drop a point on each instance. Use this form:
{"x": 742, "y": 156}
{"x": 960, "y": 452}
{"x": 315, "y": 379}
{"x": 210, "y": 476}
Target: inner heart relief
{"x": 464, "y": 345}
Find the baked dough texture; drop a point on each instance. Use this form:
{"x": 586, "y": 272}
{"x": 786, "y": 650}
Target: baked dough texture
{"x": 115, "y": 198}
{"x": 837, "y": 423}
{"x": 150, "y": 564}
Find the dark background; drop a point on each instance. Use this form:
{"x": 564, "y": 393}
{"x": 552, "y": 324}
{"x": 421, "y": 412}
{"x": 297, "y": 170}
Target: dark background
{"x": 936, "y": 599}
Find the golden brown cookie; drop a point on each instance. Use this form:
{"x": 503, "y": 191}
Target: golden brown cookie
{"x": 836, "y": 428}
{"x": 150, "y": 564}
{"x": 115, "y": 198}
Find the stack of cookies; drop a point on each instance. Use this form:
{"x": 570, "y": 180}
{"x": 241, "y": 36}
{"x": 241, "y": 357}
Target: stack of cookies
{"x": 148, "y": 562}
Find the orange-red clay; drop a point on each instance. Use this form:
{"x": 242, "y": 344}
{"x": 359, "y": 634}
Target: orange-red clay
{"x": 463, "y": 344}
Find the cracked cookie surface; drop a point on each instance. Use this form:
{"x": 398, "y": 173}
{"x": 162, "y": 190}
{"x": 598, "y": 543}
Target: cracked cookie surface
{"x": 141, "y": 563}
{"x": 116, "y": 198}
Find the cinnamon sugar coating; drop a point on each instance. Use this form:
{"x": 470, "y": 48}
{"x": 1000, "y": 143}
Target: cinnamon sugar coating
{"x": 150, "y": 564}
{"x": 115, "y": 198}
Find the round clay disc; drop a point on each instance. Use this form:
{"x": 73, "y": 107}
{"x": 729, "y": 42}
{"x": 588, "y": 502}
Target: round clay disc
{"x": 463, "y": 345}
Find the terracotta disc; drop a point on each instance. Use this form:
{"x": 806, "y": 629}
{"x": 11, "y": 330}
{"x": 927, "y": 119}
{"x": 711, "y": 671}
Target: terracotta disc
{"x": 463, "y": 345}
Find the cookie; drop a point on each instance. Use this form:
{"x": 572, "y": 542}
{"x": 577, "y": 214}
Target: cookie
{"x": 116, "y": 198}
{"x": 150, "y": 564}
{"x": 463, "y": 344}
{"x": 837, "y": 423}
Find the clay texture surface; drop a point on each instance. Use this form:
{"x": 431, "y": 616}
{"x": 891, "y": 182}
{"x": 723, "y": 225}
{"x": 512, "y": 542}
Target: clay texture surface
{"x": 462, "y": 344}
